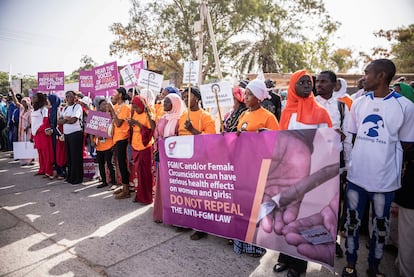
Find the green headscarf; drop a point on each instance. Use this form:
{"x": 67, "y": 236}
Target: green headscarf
{"x": 407, "y": 91}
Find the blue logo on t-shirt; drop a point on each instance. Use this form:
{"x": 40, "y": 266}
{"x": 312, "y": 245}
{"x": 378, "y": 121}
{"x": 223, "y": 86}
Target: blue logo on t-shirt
{"x": 371, "y": 125}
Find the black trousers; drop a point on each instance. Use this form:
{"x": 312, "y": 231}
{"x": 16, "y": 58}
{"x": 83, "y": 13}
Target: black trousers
{"x": 121, "y": 153}
{"x": 74, "y": 157}
{"x": 105, "y": 157}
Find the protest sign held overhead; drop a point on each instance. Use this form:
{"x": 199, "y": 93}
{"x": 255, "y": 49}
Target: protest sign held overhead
{"x": 150, "y": 80}
{"x": 50, "y": 81}
{"x": 137, "y": 66}
{"x": 239, "y": 194}
{"x": 224, "y": 94}
{"x": 86, "y": 82}
{"x": 128, "y": 75}
{"x": 191, "y": 70}
{"x": 105, "y": 78}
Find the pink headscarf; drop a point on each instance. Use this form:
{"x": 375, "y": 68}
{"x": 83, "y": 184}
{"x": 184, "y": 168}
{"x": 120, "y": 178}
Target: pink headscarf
{"x": 28, "y": 102}
{"x": 238, "y": 92}
{"x": 174, "y": 115}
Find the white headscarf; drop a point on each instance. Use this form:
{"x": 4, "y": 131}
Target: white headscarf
{"x": 258, "y": 88}
{"x": 342, "y": 91}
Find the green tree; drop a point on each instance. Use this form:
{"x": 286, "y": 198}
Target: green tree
{"x": 87, "y": 63}
{"x": 402, "y": 47}
{"x": 342, "y": 60}
{"x": 163, "y": 34}
{"x": 4, "y": 83}
{"x": 29, "y": 82}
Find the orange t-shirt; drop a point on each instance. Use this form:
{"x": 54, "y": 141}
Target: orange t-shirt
{"x": 201, "y": 120}
{"x": 260, "y": 118}
{"x": 122, "y": 111}
{"x": 159, "y": 111}
{"x": 103, "y": 144}
{"x": 136, "y": 141}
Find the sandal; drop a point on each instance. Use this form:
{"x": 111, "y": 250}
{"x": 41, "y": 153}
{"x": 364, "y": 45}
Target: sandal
{"x": 374, "y": 272}
{"x": 257, "y": 255}
{"x": 349, "y": 272}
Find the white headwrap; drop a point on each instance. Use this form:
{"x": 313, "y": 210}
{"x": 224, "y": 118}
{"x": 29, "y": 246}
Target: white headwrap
{"x": 342, "y": 91}
{"x": 258, "y": 88}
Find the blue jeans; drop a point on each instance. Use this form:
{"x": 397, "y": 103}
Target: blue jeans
{"x": 356, "y": 199}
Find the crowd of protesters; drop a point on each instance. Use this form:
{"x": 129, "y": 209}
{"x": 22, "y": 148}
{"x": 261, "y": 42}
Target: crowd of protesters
{"x": 128, "y": 159}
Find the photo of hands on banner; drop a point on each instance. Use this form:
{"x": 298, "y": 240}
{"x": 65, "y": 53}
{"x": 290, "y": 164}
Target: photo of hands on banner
{"x": 276, "y": 189}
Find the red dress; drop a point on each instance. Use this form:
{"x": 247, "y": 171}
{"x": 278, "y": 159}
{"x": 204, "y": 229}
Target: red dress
{"x": 43, "y": 144}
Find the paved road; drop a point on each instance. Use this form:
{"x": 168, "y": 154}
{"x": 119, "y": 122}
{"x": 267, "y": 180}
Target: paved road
{"x": 51, "y": 228}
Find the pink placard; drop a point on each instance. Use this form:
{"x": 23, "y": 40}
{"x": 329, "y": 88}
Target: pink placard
{"x": 50, "y": 81}
{"x": 86, "y": 82}
{"x": 137, "y": 66}
{"x": 98, "y": 123}
{"x": 105, "y": 78}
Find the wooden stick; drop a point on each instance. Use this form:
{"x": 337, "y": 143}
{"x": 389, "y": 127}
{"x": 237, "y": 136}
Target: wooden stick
{"x": 219, "y": 111}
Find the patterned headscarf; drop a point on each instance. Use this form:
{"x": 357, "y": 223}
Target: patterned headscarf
{"x": 307, "y": 109}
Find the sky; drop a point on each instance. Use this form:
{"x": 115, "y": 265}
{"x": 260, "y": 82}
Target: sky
{"x": 53, "y": 35}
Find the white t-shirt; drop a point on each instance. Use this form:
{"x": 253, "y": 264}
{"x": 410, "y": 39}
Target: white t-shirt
{"x": 331, "y": 105}
{"x": 36, "y": 118}
{"x": 296, "y": 125}
{"x": 380, "y": 124}
{"x": 72, "y": 111}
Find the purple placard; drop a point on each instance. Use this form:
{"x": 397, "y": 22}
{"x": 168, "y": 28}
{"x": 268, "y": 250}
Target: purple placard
{"x": 88, "y": 168}
{"x": 98, "y": 123}
{"x": 50, "y": 81}
{"x": 137, "y": 66}
{"x": 105, "y": 78}
{"x": 223, "y": 188}
{"x": 86, "y": 82}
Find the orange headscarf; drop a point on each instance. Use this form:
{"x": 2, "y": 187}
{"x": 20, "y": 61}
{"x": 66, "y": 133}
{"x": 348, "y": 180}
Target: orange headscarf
{"x": 307, "y": 109}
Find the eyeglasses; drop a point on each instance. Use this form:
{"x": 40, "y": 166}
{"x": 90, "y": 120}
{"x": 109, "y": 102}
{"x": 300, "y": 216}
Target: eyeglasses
{"x": 303, "y": 82}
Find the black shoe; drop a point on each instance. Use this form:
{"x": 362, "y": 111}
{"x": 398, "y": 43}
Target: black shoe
{"x": 349, "y": 272}
{"x": 279, "y": 267}
{"x": 338, "y": 251}
{"x": 198, "y": 235}
{"x": 101, "y": 185}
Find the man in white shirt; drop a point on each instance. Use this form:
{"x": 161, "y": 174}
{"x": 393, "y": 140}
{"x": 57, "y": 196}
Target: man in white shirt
{"x": 382, "y": 124}
{"x": 326, "y": 82}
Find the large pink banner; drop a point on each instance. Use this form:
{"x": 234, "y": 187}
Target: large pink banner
{"x": 50, "y": 81}
{"x": 86, "y": 84}
{"x": 105, "y": 78}
{"x": 275, "y": 189}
